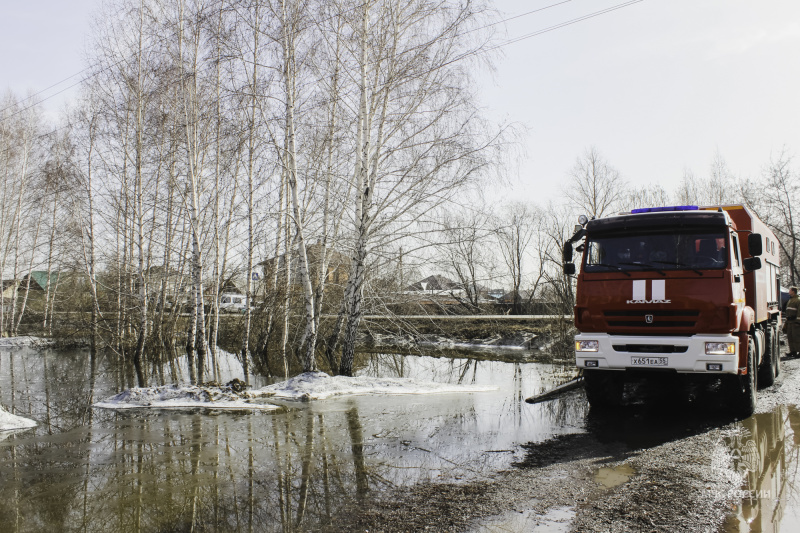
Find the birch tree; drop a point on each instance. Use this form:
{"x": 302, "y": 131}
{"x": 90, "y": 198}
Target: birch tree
{"x": 20, "y": 129}
{"x": 418, "y": 137}
{"x": 517, "y": 227}
{"x": 595, "y": 187}
{"x": 467, "y": 249}
{"x": 776, "y": 199}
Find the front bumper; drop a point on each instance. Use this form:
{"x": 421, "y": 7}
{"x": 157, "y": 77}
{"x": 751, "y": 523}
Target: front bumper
{"x": 682, "y": 354}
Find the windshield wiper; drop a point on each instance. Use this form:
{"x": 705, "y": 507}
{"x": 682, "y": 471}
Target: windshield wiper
{"x": 611, "y": 266}
{"x": 646, "y": 265}
{"x": 678, "y": 263}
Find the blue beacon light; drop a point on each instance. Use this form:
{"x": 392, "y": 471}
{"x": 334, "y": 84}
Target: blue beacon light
{"x": 661, "y": 209}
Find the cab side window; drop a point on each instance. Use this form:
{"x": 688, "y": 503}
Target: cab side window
{"x": 735, "y": 241}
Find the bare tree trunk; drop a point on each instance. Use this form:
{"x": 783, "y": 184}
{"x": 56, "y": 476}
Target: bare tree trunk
{"x": 290, "y": 163}
{"x": 30, "y": 264}
{"x": 138, "y": 193}
{"x": 88, "y": 239}
{"x": 287, "y": 289}
{"x": 251, "y": 139}
{"x": 22, "y": 181}
{"x": 190, "y": 94}
{"x": 365, "y": 181}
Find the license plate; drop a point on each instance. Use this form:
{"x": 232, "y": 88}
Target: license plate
{"x": 649, "y": 361}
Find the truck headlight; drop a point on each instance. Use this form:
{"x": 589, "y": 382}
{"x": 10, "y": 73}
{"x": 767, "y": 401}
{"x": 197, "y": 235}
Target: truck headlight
{"x": 587, "y": 346}
{"x": 720, "y": 348}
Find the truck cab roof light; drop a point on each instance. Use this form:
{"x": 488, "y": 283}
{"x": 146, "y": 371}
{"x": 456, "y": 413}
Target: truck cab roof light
{"x": 662, "y": 209}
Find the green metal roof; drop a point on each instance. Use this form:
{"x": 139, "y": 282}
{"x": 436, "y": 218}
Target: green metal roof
{"x": 40, "y": 277}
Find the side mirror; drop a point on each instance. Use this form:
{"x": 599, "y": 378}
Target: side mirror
{"x": 569, "y": 269}
{"x": 755, "y": 245}
{"x": 752, "y": 263}
{"x": 566, "y": 252}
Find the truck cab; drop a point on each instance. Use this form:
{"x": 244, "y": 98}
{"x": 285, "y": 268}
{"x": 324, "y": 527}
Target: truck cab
{"x": 685, "y": 290}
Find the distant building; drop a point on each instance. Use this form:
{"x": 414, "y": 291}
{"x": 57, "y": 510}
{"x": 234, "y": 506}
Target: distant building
{"x": 524, "y": 296}
{"x": 436, "y": 284}
{"x": 495, "y": 294}
{"x": 8, "y": 287}
{"x": 338, "y": 270}
{"x": 39, "y": 280}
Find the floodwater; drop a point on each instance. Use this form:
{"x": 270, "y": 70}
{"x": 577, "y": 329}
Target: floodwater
{"x": 766, "y": 452}
{"x": 85, "y": 469}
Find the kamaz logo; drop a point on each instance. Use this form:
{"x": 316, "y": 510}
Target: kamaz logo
{"x": 657, "y": 292}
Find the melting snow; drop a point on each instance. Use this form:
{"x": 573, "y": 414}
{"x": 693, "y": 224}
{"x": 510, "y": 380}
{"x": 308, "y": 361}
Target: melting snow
{"x": 18, "y": 342}
{"x": 307, "y": 386}
{"x": 319, "y": 385}
{"x": 173, "y": 396}
{"x": 9, "y": 421}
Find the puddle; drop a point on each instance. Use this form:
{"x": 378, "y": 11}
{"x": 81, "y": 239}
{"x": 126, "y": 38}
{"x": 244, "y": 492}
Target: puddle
{"x": 614, "y": 476}
{"x": 556, "y": 520}
{"x": 290, "y": 470}
{"x": 765, "y": 451}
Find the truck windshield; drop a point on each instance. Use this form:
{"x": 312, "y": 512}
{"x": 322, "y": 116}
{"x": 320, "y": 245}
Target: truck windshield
{"x": 684, "y": 250}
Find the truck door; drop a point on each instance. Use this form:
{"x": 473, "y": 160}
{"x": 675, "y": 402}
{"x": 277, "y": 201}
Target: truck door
{"x": 737, "y": 273}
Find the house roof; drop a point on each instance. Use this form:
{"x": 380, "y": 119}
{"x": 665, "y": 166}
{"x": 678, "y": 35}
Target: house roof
{"x": 523, "y": 295}
{"x": 40, "y": 277}
{"x": 435, "y": 283}
{"x": 335, "y": 258}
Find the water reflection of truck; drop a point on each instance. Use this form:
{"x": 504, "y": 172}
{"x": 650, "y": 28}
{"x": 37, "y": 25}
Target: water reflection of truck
{"x": 758, "y": 452}
{"x": 685, "y": 290}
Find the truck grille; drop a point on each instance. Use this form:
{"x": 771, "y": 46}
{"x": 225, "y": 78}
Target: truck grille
{"x": 661, "y": 318}
{"x": 650, "y": 348}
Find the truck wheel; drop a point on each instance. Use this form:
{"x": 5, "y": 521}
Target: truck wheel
{"x": 768, "y": 370}
{"x": 604, "y": 387}
{"x": 743, "y": 388}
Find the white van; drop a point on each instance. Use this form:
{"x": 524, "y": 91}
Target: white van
{"x": 232, "y": 302}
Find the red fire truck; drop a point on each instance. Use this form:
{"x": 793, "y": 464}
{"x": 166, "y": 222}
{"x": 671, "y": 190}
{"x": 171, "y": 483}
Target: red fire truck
{"x": 687, "y": 290}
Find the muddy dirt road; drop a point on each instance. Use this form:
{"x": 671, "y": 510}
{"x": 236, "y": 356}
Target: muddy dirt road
{"x": 653, "y": 466}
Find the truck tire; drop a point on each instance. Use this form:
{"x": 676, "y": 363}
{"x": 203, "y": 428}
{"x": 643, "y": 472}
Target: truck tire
{"x": 604, "y": 387}
{"x": 769, "y": 368}
{"x": 743, "y": 388}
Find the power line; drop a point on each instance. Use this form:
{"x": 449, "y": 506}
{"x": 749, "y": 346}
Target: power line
{"x": 459, "y": 58}
{"x": 568, "y": 23}
{"x": 88, "y": 77}
{"x": 113, "y": 64}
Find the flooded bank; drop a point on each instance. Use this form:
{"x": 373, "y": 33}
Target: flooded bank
{"x": 288, "y": 470}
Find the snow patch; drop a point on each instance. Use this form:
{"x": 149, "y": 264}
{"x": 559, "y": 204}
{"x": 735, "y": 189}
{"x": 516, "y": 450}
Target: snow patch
{"x": 306, "y": 386}
{"x": 9, "y": 421}
{"x": 516, "y": 341}
{"x": 173, "y": 396}
{"x": 22, "y": 342}
{"x": 319, "y": 385}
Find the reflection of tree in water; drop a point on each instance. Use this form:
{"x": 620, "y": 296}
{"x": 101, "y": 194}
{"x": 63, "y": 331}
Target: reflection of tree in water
{"x": 51, "y": 388}
{"x": 285, "y": 471}
{"x": 168, "y": 471}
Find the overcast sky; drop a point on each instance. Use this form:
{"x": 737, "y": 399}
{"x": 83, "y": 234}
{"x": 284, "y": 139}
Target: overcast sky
{"x": 657, "y": 87}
